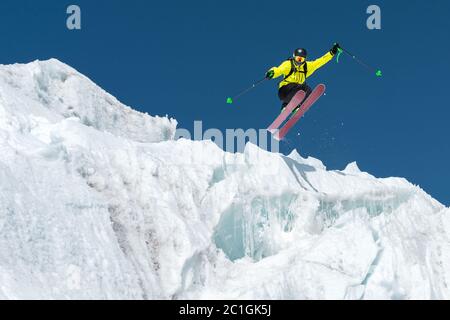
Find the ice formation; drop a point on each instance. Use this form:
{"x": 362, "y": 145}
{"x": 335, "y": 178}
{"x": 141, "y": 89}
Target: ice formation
{"x": 98, "y": 201}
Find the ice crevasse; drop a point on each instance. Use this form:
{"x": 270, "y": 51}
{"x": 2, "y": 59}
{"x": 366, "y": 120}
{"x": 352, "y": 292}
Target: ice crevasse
{"x": 99, "y": 201}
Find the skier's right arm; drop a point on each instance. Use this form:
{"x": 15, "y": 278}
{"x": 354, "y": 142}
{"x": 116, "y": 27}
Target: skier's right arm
{"x": 283, "y": 69}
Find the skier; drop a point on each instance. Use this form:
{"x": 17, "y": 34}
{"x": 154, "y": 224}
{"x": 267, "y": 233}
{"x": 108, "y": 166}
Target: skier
{"x": 295, "y": 71}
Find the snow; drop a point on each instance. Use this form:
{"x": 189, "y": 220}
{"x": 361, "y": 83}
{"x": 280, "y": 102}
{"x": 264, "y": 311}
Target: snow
{"x": 98, "y": 201}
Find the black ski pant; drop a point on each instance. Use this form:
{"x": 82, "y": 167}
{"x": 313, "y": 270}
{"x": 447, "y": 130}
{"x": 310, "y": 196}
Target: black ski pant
{"x": 287, "y": 92}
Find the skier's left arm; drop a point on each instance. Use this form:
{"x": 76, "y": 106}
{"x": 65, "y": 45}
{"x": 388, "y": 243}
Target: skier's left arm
{"x": 318, "y": 63}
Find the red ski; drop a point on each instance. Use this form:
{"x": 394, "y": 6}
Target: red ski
{"x": 313, "y": 97}
{"x": 294, "y": 103}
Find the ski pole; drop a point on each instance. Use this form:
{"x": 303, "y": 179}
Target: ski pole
{"x": 362, "y": 63}
{"x": 230, "y": 100}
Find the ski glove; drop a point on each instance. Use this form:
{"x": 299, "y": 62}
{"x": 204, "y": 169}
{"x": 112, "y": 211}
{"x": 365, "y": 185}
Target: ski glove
{"x": 270, "y": 74}
{"x": 335, "y": 48}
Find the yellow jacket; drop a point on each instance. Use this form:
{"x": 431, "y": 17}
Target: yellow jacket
{"x": 299, "y": 76}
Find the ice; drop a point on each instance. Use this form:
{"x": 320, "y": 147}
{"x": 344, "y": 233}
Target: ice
{"x": 98, "y": 201}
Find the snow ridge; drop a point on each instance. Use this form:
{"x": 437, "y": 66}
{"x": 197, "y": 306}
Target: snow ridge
{"x": 98, "y": 201}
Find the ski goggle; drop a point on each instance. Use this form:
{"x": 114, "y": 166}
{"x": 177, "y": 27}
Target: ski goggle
{"x": 299, "y": 59}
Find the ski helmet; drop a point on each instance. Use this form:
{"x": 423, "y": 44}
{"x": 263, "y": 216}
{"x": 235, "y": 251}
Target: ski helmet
{"x": 300, "y": 52}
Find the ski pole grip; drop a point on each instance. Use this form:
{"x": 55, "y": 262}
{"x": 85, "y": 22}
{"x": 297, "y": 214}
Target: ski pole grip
{"x": 339, "y": 54}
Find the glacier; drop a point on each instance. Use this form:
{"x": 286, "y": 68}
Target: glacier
{"x": 99, "y": 201}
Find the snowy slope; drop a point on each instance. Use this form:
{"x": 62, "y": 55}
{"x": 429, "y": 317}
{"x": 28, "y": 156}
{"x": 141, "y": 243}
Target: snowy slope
{"x": 99, "y": 201}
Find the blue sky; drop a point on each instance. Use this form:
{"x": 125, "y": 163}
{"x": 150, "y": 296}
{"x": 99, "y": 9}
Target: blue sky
{"x": 183, "y": 58}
